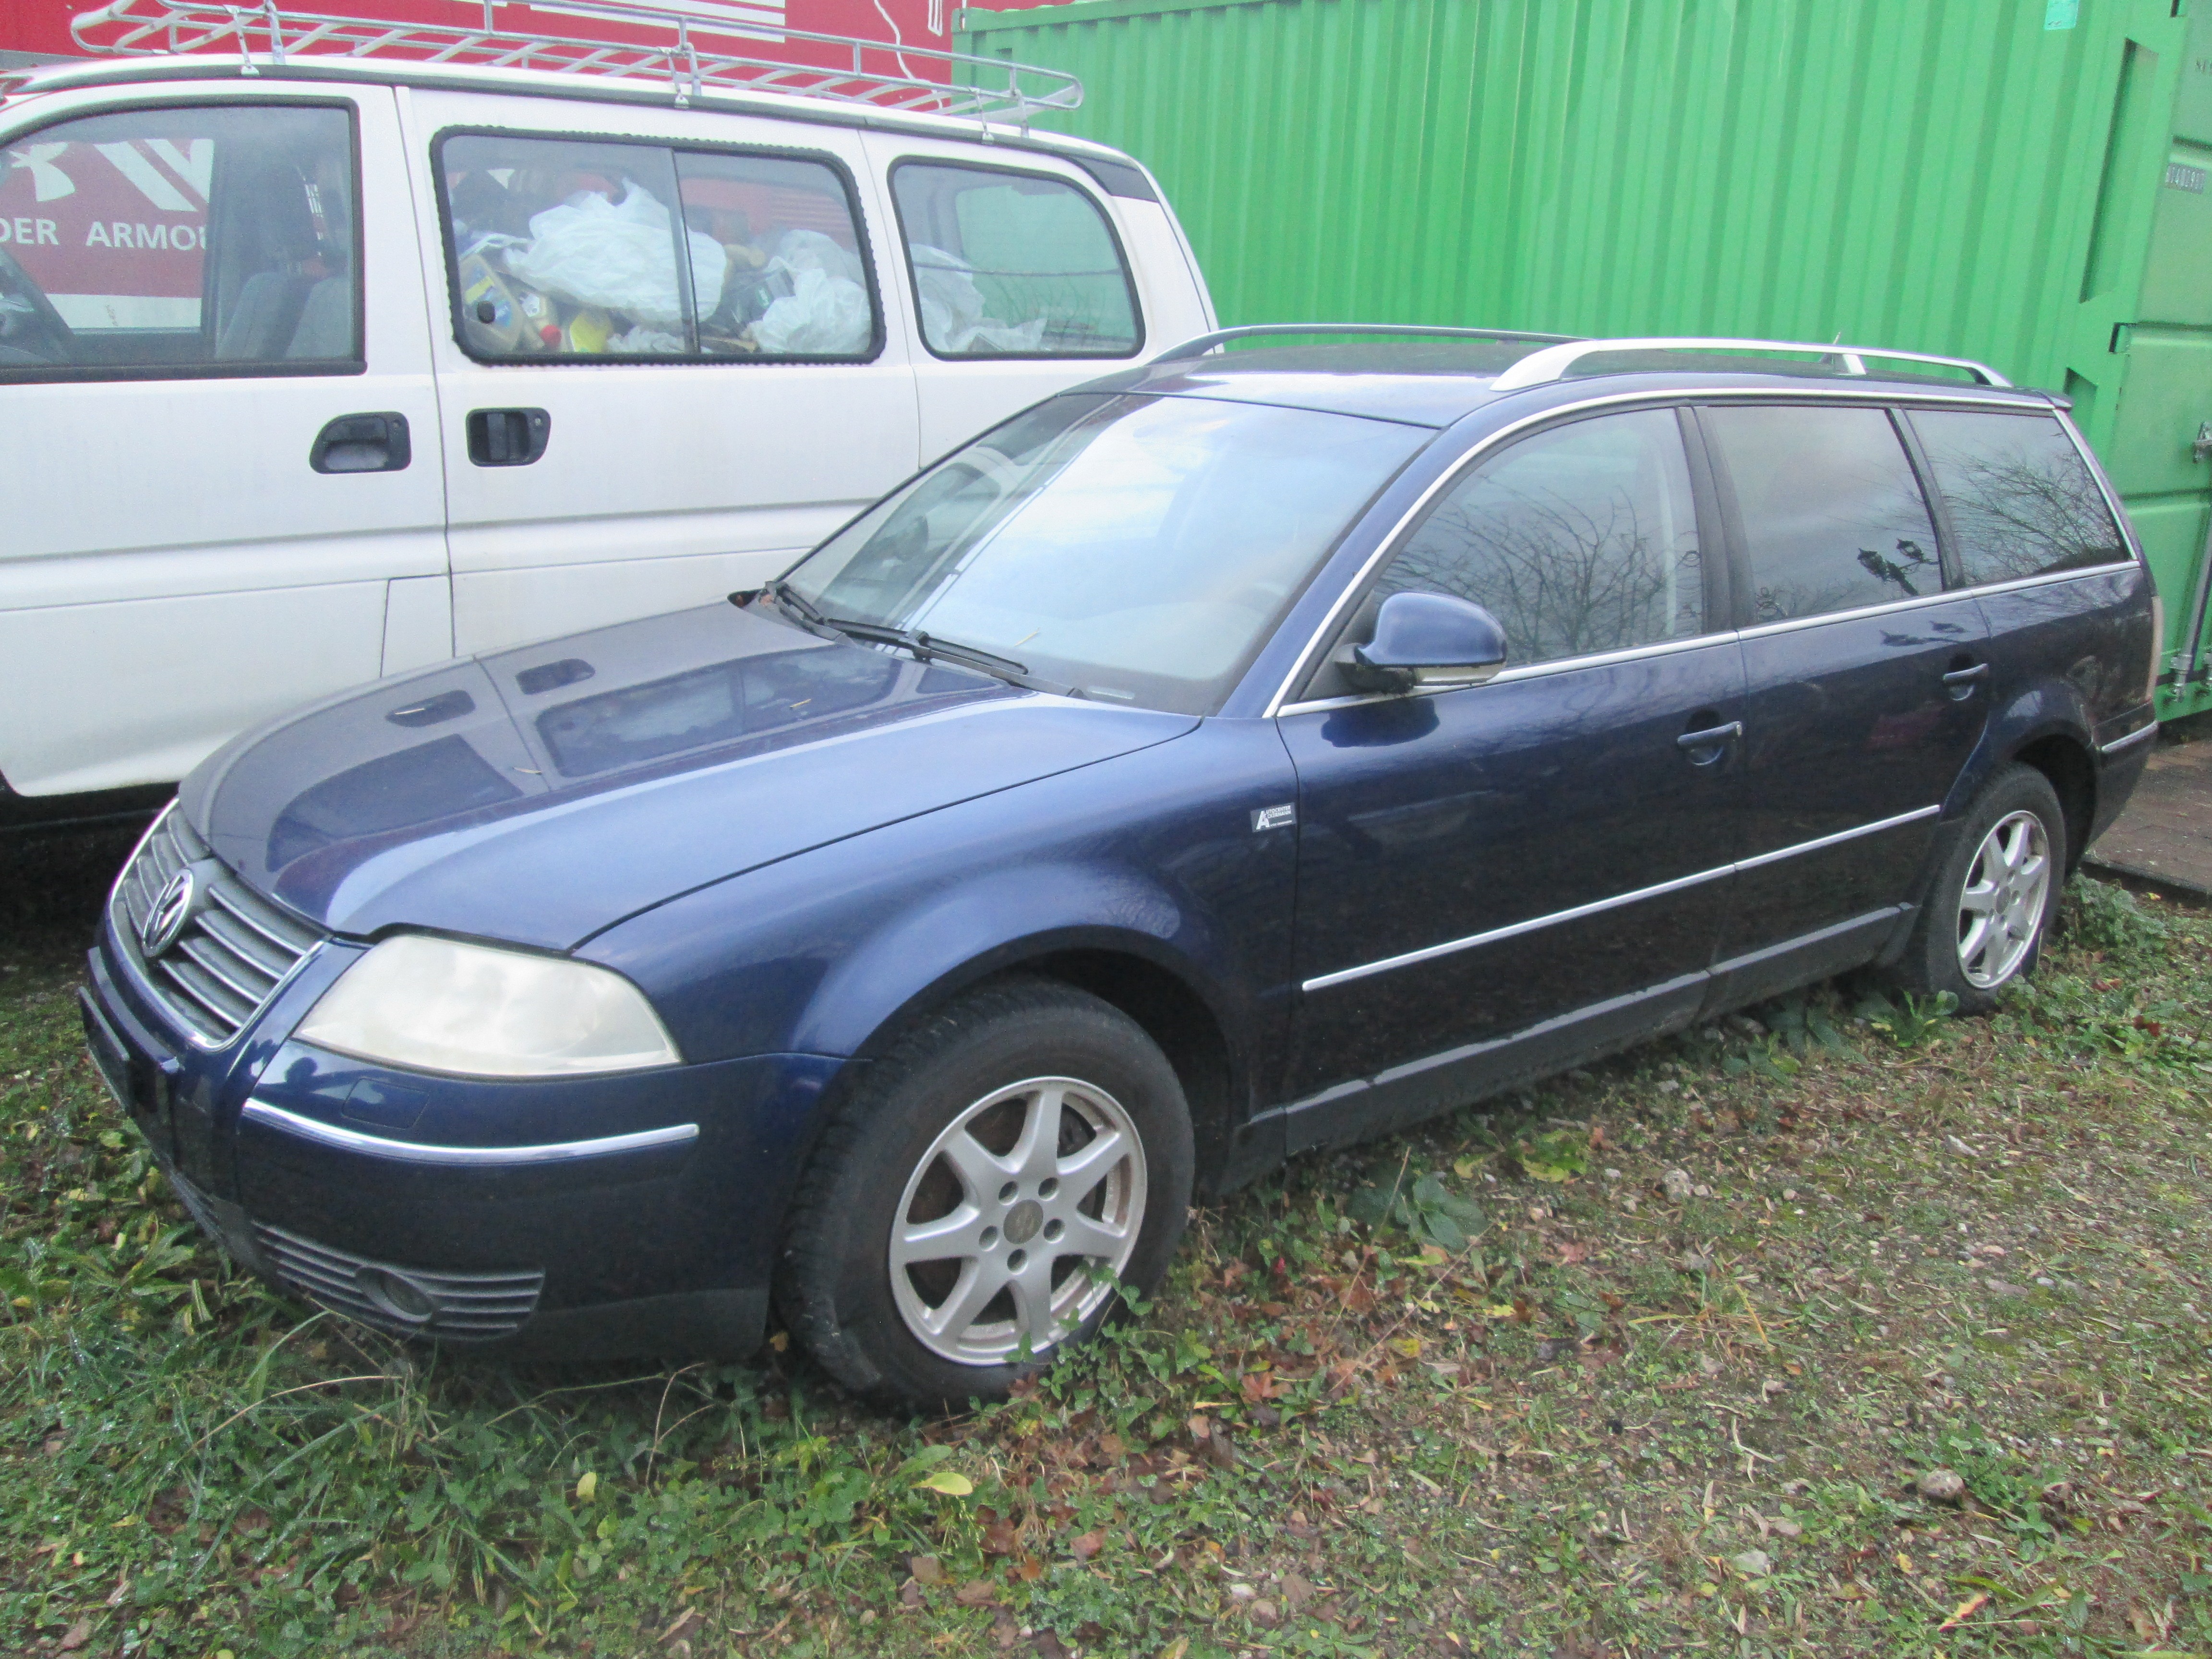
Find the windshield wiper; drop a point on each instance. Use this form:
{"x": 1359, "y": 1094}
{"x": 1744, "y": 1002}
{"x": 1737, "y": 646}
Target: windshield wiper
{"x": 927, "y": 646}
{"x": 924, "y": 647}
{"x": 796, "y": 602}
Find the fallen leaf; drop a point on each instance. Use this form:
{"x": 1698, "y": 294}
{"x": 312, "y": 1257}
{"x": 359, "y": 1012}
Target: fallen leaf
{"x": 976, "y": 1593}
{"x": 1570, "y": 1254}
{"x": 1753, "y": 1564}
{"x": 687, "y": 1621}
{"x": 1029, "y": 1569}
{"x": 1000, "y": 1538}
{"x": 79, "y": 1634}
{"x": 1088, "y": 1545}
{"x": 1199, "y": 1426}
{"x": 949, "y": 1482}
{"x": 1966, "y": 1610}
{"x": 1904, "y": 1562}
{"x": 926, "y": 1569}
{"x": 586, "y": 1484}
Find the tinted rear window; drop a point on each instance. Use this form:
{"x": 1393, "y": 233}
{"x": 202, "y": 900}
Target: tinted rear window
{"x": 2022, "y": 501}
{"x": 1832, "y": 514}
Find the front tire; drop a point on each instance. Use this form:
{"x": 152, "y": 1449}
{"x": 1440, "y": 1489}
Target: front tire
{"x": 1995, "y": 895}
{"x": 974, "y": 1200}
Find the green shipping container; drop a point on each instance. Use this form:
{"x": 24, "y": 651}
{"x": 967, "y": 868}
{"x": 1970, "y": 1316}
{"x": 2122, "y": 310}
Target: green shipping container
{"x": 2020, "y": 181}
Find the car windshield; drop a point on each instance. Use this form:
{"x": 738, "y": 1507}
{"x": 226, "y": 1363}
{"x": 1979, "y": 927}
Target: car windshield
{"x": 1136, "y": 549}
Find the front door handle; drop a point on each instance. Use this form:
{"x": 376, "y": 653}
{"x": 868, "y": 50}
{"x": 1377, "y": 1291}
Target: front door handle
{"x": 1959, "y": 681}
{"x": 507, "y": 437}
{"x": 363, "y": 443}
{"x": 1704, "y": 747}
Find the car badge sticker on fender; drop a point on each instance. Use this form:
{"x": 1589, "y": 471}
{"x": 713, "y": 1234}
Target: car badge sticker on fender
{"x": 171, "y": 909}
{"x": 1273, "y": 818}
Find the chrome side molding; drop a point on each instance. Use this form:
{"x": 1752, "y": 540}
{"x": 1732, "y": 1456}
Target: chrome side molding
{"x": 1512, "y": 930}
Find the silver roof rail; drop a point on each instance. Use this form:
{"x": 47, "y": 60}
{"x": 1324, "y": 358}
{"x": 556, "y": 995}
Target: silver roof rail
{"x": 1200, "y": 345}
{"x": 1553, "y": 361}
{"x": 690, "y": 55}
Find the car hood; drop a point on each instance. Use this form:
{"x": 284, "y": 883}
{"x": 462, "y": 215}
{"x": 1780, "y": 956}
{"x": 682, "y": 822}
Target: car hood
{"x": 541, "y": 794}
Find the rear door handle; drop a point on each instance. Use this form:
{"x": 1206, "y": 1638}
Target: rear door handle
{"x": 1713, "y": 737}
{"x": 363, "y": 443}
{"x": 507, "y": 437}
{"x": 1960, "y": 681}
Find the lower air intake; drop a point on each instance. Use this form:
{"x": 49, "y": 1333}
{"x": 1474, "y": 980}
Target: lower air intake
{"x": 406, "y": 1301}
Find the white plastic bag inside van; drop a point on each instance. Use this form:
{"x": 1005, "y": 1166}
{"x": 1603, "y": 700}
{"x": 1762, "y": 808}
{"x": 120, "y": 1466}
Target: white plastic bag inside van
{"x": 827, "y": 310}
{"x": 617, "y": 255}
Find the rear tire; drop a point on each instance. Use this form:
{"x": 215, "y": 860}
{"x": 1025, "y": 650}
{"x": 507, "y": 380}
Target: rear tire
{"x": 1995, "y": 895}
{"x": 974, "y": 1198}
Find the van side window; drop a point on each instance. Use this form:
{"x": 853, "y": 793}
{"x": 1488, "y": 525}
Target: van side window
{"x": 1012, "y": 264}
{"x": 176, "y": 240}
{"x": 1579, "y": 540}
{"x": 2022, "y": 501}
{"x": 573, "y": 248}
{"x": 1832, "y": 514}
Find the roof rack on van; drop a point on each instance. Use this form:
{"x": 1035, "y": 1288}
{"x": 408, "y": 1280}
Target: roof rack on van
{"x": 693, "y": 55}
{"x": 1204, "y": 343}
{"x": 1553, "y": 361}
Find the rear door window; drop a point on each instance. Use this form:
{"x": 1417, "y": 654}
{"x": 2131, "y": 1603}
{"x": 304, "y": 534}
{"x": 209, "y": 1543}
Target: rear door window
{"x": 1831, "y": 511}
{"x": 1580, "y": 540}
{"x": 2022, "y": 501}
{"x": 1012, "y": 264}
{"x": 569, "y": 248}
{"x": 181, "y": 240}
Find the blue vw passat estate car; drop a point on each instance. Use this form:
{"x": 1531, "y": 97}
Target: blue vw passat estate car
{"x": 1249, "y": 752}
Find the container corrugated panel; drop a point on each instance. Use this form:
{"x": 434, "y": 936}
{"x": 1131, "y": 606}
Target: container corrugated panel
{"x": 1957, "y": 177}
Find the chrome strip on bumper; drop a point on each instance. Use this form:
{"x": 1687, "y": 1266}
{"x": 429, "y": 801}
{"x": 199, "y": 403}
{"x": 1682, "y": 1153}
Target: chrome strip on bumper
{"x": 474, "y": 1158}
{"x": 2129, "y": 741}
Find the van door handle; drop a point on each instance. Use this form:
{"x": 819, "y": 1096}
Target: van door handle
{"x": 507, "y": 437}
{"x": 363, "y": 443}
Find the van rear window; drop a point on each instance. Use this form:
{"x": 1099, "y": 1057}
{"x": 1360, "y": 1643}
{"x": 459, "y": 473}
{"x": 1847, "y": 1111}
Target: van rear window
{"x": 582, "y": 248}
{"x": 1012, "y": 264}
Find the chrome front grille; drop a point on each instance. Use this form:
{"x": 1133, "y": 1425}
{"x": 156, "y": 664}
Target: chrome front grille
{"x": 406, "y": 1301}
{"x": 235, "y": 947}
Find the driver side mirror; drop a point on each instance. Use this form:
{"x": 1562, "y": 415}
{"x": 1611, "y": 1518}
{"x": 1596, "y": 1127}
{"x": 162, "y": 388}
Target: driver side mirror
{"x": 1427, "y": 642}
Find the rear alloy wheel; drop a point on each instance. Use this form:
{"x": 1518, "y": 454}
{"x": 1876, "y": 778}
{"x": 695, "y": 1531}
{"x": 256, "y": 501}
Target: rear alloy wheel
{"x": 975, "y": 1203}
{"x": 2001, "y": 906}
{"x": 1994, "y": 896}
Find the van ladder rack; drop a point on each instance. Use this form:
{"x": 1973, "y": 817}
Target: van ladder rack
{"x": 693, "y": 56}
{"x": 1553, "y": 361}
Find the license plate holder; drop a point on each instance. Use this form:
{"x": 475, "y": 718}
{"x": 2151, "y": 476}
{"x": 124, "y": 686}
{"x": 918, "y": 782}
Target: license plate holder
{"x": 110, "y": 1058}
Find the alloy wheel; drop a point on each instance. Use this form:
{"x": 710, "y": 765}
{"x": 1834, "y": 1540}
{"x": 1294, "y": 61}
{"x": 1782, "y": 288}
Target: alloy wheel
{"x": 2001, "y": 907}
{"x": 1016, "y": 1223}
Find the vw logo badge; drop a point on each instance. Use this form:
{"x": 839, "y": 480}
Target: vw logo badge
{"x": 171, "y": 909}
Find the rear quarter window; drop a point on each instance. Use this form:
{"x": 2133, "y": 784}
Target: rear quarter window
{"x": 2022, "y": 501}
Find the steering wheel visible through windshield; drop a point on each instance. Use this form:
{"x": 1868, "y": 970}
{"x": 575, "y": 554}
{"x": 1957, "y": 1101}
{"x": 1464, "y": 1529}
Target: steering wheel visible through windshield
{"x": 1138, "y": 548}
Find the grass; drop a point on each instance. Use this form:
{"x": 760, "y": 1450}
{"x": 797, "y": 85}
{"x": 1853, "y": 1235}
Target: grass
{"x": 1484, "y": 1389}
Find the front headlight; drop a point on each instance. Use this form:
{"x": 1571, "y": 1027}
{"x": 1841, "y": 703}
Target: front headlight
{"x": 440, "y": 1005}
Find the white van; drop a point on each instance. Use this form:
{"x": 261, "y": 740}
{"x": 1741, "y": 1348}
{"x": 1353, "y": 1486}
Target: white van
{"x": 315, "y": 368}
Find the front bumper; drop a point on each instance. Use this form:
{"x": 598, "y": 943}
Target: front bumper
{"x": 567, "y": 1217}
